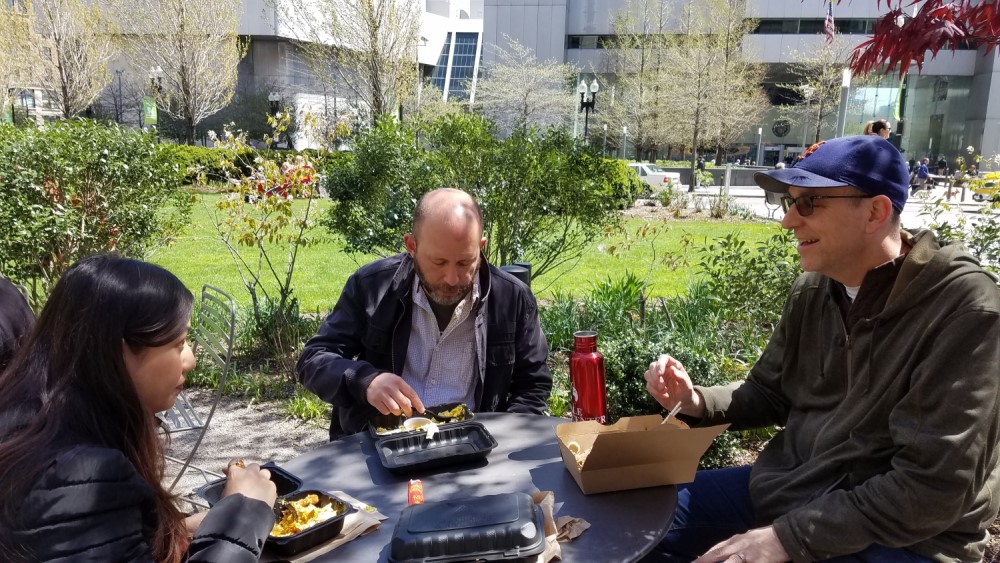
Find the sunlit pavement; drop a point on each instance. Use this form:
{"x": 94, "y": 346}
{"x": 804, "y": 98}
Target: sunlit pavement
{"x": 915, "y": 214}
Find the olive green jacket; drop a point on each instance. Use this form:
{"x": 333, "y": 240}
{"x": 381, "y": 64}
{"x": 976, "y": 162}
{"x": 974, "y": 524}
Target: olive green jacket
{"x": 890, "y": 430}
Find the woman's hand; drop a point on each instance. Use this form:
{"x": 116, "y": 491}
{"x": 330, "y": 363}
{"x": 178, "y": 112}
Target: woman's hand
{"x": 250, "y": 481}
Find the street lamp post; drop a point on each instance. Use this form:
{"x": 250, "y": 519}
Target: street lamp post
{"x": 604, "y": 150}
{"x": 760, "y": 139}
{"x": 274, "y": 101}
{"x": 845, "y": 89}
{"x": 156, "y": 86}
{"x": 624, "y": 139}
{"x": 120, "y": 102}
{"x": 586, "y": 105}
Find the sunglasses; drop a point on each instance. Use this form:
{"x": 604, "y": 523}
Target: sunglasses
{"x": 805, "y": 204}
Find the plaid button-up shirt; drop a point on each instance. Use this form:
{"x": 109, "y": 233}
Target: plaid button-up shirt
{"x": 441, "y": 364}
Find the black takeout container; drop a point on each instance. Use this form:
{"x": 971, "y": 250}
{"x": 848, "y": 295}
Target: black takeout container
{"x": 314, "y": 535}
{"x": 460, "y": 442}
{"x": 288, "y": 489}
{"x": 394, "y": 422}
{"x": 284, "y": 482}
{"x": 503, "y": 527}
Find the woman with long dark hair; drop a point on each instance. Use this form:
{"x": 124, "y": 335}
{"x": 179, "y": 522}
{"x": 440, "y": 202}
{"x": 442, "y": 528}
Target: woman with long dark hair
{"x": 81, "y": 460}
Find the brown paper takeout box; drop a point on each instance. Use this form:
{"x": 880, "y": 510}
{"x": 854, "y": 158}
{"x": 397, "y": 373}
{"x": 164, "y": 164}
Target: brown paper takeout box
{"x": 635, "y": 452}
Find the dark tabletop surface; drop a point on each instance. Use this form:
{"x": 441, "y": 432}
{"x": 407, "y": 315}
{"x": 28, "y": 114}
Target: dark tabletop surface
{"x": 624, "y": 525}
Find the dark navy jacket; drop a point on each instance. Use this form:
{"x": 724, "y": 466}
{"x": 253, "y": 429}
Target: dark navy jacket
{"x": 92, "y": 505}
{"x": 16, "y": 320}
{"x": 369, "y": 329}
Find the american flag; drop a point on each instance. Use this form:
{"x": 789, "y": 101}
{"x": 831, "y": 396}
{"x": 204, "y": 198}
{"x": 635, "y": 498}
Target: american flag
{"x": 828, "y": 27}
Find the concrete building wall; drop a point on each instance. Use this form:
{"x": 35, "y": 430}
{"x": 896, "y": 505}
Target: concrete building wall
{"x": 983, "y": 121}
{"x": 258, "y": 19}
{"x": 539, "y": 24}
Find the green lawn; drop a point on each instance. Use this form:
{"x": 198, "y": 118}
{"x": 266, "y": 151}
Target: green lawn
{"x": 199, "y": 257}
{"x": 660, "y": 257}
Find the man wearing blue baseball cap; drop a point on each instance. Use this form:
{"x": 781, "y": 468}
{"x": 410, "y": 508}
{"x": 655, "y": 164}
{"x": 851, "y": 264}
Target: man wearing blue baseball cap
{"x": 881, "y": 376}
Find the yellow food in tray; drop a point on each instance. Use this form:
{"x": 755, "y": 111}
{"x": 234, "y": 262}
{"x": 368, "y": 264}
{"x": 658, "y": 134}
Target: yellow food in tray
{"x": 306, "y": 512}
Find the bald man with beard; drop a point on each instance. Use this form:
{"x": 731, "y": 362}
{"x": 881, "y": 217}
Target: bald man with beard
{"x": 433, "y": 325}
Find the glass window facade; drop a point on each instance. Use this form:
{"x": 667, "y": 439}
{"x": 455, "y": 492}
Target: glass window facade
{"x": 441, "y": 70}
{"x": 463, "y": 65}
{"x": 927, "y": 113}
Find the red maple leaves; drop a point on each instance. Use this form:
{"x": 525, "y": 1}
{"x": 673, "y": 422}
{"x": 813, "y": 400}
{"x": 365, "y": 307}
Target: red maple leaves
{"x": 900, "y": 40}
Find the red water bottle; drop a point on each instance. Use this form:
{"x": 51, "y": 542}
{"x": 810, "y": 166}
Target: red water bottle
{"x": 586, "y": 373}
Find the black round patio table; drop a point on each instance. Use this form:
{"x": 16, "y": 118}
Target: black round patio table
{"x": 625, "y": 525}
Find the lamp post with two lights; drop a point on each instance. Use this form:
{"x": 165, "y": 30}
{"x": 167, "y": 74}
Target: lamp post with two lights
{"x": 587, "y": 105}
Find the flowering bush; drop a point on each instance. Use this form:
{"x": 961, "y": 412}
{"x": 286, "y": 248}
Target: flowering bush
{"x": 263, "y": 228}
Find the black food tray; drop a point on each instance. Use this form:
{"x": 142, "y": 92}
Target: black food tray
{"x": 284, "y": 482}
{"x": 315, "y": 535}
{"x": 505, "y": 527}
{"x": 459, "y": 442}
{"x": 395, "y": 421}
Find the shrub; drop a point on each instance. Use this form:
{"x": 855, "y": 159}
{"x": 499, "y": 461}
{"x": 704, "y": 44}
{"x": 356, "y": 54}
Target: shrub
{"x": 981, "y": 235}
{"x": 304, "y": 405}
{"x": 668, "y": 196}
{"x": 560, "y": 319}
{"x": 717, "y": 329}
{"x": 264, "y": 232}
{"x": 751, "y": 286}
{"x": 74, "y": 188}
{"x": 704, "y": 178}
{"x": 544, "y": 197}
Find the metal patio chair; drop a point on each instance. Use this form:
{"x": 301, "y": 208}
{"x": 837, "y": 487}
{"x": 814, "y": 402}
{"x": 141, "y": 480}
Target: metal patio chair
{"x": 214, "y": 333}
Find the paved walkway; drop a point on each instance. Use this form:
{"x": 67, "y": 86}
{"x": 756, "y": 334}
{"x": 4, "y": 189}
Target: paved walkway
{"x": 256, "y": 432}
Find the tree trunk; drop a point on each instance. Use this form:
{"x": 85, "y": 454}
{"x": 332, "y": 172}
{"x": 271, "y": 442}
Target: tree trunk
{"x": 694, "y": 150}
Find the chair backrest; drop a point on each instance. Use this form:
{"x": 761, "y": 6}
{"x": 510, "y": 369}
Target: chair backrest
{"x": 214, "y": 334}
{"x": 215, "y": 329}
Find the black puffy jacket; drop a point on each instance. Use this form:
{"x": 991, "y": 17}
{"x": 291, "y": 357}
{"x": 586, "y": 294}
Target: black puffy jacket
{"x": 369, "y": 329}
{"x": 92, "y": 505}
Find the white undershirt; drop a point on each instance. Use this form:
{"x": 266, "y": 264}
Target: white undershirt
{"x": 852, "y": 292}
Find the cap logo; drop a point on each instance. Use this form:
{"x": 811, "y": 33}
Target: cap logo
{"x": 811, "y": 149}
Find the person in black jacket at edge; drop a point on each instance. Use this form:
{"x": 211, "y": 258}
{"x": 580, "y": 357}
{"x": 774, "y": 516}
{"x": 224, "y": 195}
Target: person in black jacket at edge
{"x": 434, "y": 325}
{"x": 16, "y": 319}
{"x": 81, "y": 461}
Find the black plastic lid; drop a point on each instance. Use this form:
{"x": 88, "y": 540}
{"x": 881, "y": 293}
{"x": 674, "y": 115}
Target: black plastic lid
{"x": 494, "y": 528}
{"x": 285, "y": 482}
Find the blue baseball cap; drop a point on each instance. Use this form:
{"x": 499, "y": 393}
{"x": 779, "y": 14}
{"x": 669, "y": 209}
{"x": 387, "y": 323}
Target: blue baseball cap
{"x": 866, "y": 162}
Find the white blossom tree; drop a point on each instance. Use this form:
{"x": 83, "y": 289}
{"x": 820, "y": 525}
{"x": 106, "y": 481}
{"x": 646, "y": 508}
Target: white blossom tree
{"x": 16, "y": 39}
{"x": 76, "y": 42}
{"x": 519, "y": 90}
{"x": 367, "y": 46}
{"x": 816, "y": 82}
{"x": 194, "y": 48}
